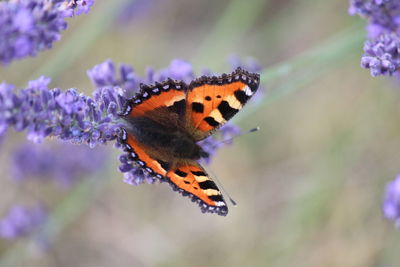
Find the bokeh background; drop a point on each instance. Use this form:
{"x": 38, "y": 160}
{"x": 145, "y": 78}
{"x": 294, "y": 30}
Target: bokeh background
{"x": 309, "y": 185}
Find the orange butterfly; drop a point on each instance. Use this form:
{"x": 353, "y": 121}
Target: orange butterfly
{"x": 164, "y": 122}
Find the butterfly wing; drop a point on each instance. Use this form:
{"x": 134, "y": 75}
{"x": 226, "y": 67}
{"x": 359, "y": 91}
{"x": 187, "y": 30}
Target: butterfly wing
{"x": 191, "y": 179}
{"x": 212, "y": 101}
{"x": 187, "y": 177}
{"x": 158, "y": 102}
{"x": 160, "y": 108}
{"x": 139, "y": 154}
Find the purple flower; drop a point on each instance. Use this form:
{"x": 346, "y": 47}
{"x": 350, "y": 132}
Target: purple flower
{"x": 178, "y": 69}
{"x": 382, "y": 49}
{"x": 134, "y": 175}
{"x": 134, "y": 9}
{"x": 67, "y": 115}
{"x": 391, "y": 203}
{"x": 22, "y": 220}
{"x": 382, "y": 14}
{"x": 30, "y": 26}
{"x": 104, "y": 75}
{"x": 64, "y": 163}
{"x": 83, "y": 6}
{"x": 382, "y": 56}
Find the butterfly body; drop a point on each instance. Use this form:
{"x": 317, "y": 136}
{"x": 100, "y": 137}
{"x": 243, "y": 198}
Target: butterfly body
{"x": 166, "y": 144}
{"x": 165, "y": 122}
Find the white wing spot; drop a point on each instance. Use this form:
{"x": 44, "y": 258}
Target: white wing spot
{"x": 124, "y": 135}
{"x": 220, "y": 203}
{"x": 248, "y": 91}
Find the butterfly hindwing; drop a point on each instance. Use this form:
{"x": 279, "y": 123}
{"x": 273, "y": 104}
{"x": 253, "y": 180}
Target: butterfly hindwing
{"x": 187, "y": 177}
{"x": 191, "y": 179}
{"x": 140, "y": 155}
{"x": 212, "y": 101}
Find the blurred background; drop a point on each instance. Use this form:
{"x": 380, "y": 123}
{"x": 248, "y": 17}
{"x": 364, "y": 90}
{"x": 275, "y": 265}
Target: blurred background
{"x": 309, "y": 185}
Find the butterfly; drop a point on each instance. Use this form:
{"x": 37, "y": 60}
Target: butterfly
{"x": 164, "y": 122}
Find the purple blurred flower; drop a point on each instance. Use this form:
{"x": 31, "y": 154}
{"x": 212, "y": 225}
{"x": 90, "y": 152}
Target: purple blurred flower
{"x": 104, "y": 75}
{"x": 391, "y": 203}
{"x": 382, "y": 56}
{"x": 382, "y": 49}
{"x": 30, "y": 26}
{"x": 134, "y": 9}
{"x": 178, "y": 69}
{"x": 21, "y": 221}
{"x": 83, "y": 6}
{"x": 133, "y": 175}
{"x": 64, "y": 163}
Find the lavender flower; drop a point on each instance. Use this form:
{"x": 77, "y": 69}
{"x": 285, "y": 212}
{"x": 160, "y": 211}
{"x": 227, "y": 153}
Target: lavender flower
{"x": 83, "y": 6}
{"x": 178, "y": 69}
{"x": 382, "y": 49}
{"x": 67, "y": 115}
{"x": 382, "y": 56}
{"x": 104, "y": 75}
{"x": 63, "y": 163}
{"x": 391, "y": 203}
{"x": 21, "y": 221}
{"x": 30, "y": 26}
{"x": 133, "y": 175}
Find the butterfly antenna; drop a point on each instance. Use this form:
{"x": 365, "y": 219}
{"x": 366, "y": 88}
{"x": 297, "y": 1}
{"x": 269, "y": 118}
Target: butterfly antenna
{"x": 237, "y": 135}
{"x": 233, "y": 202}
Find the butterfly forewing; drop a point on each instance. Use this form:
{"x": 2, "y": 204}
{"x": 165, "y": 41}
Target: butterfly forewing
{"x": 212, "y": 101}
